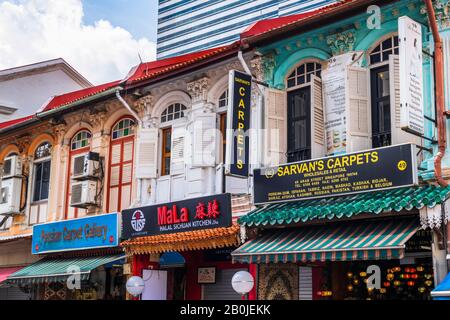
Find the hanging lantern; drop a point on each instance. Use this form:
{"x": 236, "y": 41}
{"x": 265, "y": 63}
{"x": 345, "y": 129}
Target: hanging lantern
{"x": 397, "y": 269}
{"x": 356, "y": 282}
{"x": 412, "y": 270}
{"x": 387, "y": 284}
{"x": 390, "y": 276}
{"x": 370, "y": 289}
{"x": 406, "y": 269}
{"x": 402, "y": 276}
{"x": 383, "y": 290}
{"x": 421, "y": 289}
{"x": 365, "y": 280}
{"x": 428, "y": 283}
{"x": 427, "y": 276}
{"x": 407, "y": 276}
{"x": 349, "y": 274}
{"x": 411, "y": 283}
{"x": 362, "y": 274}
{"x": 397, "y": 283}
{"x": 414, "y": 276}
{"x": 350, "y": 287}
{"x": 420, "y": 268}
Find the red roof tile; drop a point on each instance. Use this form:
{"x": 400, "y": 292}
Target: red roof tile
{"x": 152, "y": 69}
{"x": 10, "y": 123}
{"x": 264, "y": 26}
{"x": 64, "y": 99}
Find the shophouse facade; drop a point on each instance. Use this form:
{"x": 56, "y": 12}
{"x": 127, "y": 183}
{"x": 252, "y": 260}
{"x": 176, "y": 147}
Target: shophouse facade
{"x": 69, "y": 159}
{"x": 316, "y": 248}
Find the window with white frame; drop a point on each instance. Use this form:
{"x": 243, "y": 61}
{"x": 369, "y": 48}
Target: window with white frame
{"x": 173, "y": 112}
{"x": 223, "y": 99}
{"x": 41, "y": 172}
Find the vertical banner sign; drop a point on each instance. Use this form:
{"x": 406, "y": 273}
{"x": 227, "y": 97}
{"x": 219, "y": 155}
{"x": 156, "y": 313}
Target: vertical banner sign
{"x": 238, "y": 122}
{"x": 333, "y": 82}
{"x": 411, "y": 83}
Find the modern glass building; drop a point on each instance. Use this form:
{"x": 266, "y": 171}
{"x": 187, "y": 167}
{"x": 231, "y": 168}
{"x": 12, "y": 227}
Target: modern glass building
{"x": 186, "y": 26}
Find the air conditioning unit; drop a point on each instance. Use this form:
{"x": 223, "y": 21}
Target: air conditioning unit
{"x": 86, "y": 166}
{"x": 83, "y": 194}
{"x": 12, "y": 167}
{"x": 10, "y": 192}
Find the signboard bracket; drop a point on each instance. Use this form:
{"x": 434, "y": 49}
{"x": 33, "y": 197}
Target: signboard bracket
{"x": 420, "y": 136}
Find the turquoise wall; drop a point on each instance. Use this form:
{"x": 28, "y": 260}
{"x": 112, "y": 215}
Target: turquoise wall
{"x": 283, "y": 56}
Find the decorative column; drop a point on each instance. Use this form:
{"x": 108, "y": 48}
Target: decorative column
{"x": 201, "y": 126}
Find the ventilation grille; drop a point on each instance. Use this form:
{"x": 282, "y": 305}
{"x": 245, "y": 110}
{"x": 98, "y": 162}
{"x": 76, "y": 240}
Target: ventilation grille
{"x": 77, "y": 191}
{"x": 79, "y": 165}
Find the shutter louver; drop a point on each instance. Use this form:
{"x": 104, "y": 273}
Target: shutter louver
{"x": 178, "y": 149}
{"x": 147, "y": 152}
{"x": 204, "y": 141}
{"x": 398, "y": 136}
{"x": 317, "y": 119}
{"x": 115, "y": 153}
{"x": 275, "y": 124}
{"x": 305, "y": 286}
{"x": 358, "y": 109}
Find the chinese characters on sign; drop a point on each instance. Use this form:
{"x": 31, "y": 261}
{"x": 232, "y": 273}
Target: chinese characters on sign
{"x": 180, "y": 216}
{"x": 383, "y": 168}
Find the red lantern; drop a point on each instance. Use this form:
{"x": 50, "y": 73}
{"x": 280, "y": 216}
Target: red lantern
{"x": 411, "y": 283}
{"x": 407, "y": 276}
{"x": 406, "y": 269}
{"x": 412, "y": 270}
{"x": 414, "y": 276}
{"x": 386, "y": 284}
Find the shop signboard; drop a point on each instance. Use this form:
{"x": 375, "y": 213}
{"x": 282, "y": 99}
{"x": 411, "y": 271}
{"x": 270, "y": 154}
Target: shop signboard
{"x": 334, "y": 96}
{"x": 411, "y": 70}
{"x": 238, "y": 117}
{"x": 364, "y": 171}
{"x": 179, "y": 216}
{"x": 100, "y": 231}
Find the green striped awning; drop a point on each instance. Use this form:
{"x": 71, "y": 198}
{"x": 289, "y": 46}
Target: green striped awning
{"x": 357, "y": 240}
{"x": 58, "y": 269}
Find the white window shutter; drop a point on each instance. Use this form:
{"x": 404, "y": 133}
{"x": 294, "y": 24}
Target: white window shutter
{"x": 177, "y": 154}
{"x": 204, "y": 141}
{"x": 275, "y": 124}
{"x": 398, "y": 136}
{"x": 147, "y": 153}
{"x": 359, "y": 127}
{"x": 317, "y": 119}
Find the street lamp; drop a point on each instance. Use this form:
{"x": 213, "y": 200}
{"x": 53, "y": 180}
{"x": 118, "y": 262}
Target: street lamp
{"x": 242, "y": 282}
{"x": 135, "y": 286}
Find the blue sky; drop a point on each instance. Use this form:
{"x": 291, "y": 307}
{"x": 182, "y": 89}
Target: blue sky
{"x": 139, "y": 17}
{"x": 102, "y": 39}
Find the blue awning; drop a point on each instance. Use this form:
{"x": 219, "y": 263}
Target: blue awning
{"x": 442, "y": 291}
{"x": 171, "y": 260}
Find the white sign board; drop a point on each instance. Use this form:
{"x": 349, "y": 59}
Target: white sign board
{"x": 333, "y": 85}
{"x": 411, "y": 83}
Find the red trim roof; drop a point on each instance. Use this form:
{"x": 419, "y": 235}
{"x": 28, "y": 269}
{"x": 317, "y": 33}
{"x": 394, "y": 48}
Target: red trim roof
{"x": 152, "y": 69}
{"x": 264, "y": 26}
{"x": 10, "y": 123}
{"x": 64, "y": 99}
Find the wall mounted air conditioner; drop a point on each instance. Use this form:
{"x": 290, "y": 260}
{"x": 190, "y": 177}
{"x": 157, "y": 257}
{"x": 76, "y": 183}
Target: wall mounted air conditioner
{"x": 10, "y": 192}
{"x": 12, "y": 167}
{"x": 83, "y": 194}
{"x": 86, "y": 166}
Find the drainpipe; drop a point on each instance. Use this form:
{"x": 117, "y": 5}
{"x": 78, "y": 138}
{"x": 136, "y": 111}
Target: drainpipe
{"x": 440, "y": 116}
{"x": 141, "y": 126}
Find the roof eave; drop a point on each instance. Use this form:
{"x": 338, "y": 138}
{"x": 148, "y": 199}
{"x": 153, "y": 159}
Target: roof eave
{"x": 308, "y": 23}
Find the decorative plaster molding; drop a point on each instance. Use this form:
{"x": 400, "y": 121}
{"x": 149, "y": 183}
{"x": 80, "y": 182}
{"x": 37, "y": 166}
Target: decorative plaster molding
{"x": 97, "y": 120}
{"x": 343, "y": 42}
{"x": 432, "y": 217}
{"x": 144, "y": 105}
{"x": 198, "y": 89}
{"x": 442, "y": 9}
{"x": 23, "y": 143}
{"x": 268, "y": 65}
{"x": 257, "y": 66}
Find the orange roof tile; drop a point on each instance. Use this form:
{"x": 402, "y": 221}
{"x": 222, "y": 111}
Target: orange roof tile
{"x": 184, "y": 241}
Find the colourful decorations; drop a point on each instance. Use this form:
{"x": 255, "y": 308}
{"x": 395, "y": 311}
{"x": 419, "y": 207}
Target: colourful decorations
{"x": 325, "y": 293}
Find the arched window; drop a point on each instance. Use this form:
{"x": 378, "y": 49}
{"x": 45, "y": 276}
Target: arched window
{"x": 79, "y": 145}
{"x": 41, "y": 172}
{"x": 385, "y": 48}
{"x": 173, "y": 112}
{"x": 223, "y": 99}
{"x": 302, "y": 74}
{"x": 81, "y": 140}
{"x": 120, "y": 165}
{"x": 122, "y": 129}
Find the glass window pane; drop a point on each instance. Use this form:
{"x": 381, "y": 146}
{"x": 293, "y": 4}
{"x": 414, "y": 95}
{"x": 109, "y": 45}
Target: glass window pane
{"x": 375, "y": 58}
{"x": 291, "y": 83}
{"x": 386, "y": 44}
{"x": 301, "y": 69}
{"x": 310, "y": 67}
{"x": 386, "y": 55}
